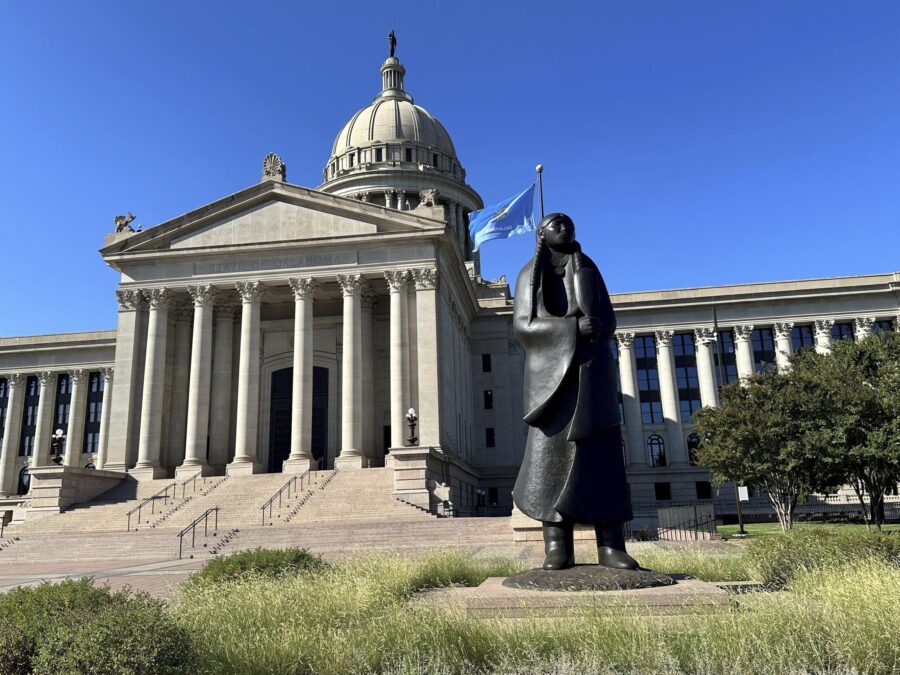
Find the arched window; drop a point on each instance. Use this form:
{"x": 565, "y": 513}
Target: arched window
{"x": 657, "y": 447}
{"x": 693, "y": 445}
{"x": 24, "y": 481}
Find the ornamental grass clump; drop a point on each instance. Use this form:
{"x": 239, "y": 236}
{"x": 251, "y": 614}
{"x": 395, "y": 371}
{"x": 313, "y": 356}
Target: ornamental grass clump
{"x": 264, "y": 562}
{"x": 707, "y": 564}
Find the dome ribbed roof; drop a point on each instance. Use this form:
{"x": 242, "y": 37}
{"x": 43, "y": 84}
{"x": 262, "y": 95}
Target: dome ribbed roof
{"x": 392, "y": 119}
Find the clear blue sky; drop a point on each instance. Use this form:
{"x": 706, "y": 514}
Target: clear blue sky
{"x": 694, "y": 143}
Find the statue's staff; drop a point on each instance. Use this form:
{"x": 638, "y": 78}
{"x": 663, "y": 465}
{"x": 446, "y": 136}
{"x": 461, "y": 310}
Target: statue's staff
{"x": 540, "y": 170}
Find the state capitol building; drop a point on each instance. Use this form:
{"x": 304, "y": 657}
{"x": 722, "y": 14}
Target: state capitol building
{"x": 284, "y": 328}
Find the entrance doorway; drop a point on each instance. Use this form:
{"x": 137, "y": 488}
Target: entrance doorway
{"x": 280, "y": 417}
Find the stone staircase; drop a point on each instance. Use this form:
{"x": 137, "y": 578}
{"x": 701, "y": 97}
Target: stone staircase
{"x": 81, "y": 546}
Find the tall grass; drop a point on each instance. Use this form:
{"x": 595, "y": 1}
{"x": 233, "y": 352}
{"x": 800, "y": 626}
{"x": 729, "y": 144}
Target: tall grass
{"x": 703, "y": 563}
{"x": 357, "y": 617}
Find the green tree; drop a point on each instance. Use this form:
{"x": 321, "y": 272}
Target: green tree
{"x": 767, "y": 432}
{"x": 859, "y": 384}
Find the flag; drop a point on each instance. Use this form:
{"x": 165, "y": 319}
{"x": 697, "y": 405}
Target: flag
{"x": 505, "y": 219}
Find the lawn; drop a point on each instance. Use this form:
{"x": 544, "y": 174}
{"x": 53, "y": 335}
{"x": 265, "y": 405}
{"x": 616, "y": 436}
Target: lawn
{"x": 757, "y": 530}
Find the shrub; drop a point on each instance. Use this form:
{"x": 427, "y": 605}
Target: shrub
{"x": 75, "y": 627}
{"x": 777, "y": 559}
{"x": 265, "y": 562}
{"x": 16, "y": 650}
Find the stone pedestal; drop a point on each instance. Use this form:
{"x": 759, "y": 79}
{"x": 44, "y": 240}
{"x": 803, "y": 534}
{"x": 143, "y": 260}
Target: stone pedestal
{"x": 243, "y": 468}
{"x": 148, "y": 472}
{"x": 350, "y": 462}
{"x": 55, "y": 488}
{"x": 185, "y": 471}
{"x": 300, "y": 465}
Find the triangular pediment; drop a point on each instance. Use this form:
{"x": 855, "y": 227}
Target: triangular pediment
{"x": 270, "y": 213}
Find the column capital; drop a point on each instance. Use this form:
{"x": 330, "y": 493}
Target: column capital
{"x": 203, "y": 296}
{"x": 130, "y": 299}
{"x": 426, "y": 278}
{"x": 107, "y": 375}
{"x": 704, "y": 336}
{"x": 14, "y": 380}
{"x": 743, "y": 332}
{"x": 783, "y": 329}
{"x": 823, "y": 326}
{"x": 664, "y": 338}
{"x": 351, "y": 284}
{"x": 625, "y": 340}
{"x": 157, "y": 298}
{"x": 397, "y": 280}
{"x": 45, "y": 377}
{"x": 250, "y": 291}
{"x": 302, "y": 287}
{"x": 77, "y": 375}
{"x": 864, "y": 324}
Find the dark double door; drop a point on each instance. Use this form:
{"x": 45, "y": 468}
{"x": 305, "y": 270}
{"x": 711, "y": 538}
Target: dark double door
{"x": 280, "y": 417}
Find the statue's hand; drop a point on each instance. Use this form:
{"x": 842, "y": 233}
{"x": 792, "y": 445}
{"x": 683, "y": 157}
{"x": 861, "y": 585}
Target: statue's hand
{"x": 588, "y": 325}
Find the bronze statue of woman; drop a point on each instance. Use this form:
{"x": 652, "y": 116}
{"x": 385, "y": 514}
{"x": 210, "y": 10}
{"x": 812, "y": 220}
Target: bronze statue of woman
{"x": 574, "y": 469}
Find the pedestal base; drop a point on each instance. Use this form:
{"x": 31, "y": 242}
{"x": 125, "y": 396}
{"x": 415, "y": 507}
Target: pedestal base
{"x": 587, "y": 578}
{"x": 242, "y": 469}
{"x": 299, "y": 465}
{"x": 55, "y": 488}
{"x": 350, "y": 463}
{"x": 186, "y": 471}
{"x": 148, "y": 472}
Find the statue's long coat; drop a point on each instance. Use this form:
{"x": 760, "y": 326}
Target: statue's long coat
{"x": 573, "y": 467}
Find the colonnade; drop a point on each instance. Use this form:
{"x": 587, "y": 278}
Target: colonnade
{"x": 142, "y": 355}
{"x": 74, "y": 437}
{"x": 704, "y": 338}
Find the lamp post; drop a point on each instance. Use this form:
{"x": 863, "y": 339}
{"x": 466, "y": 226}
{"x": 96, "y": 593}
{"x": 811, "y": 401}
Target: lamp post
{"x": 411, "y": 419}
{"x": 57, "y": 443}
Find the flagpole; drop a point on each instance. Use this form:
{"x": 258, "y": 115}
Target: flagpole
{"x": 540, "y": 170}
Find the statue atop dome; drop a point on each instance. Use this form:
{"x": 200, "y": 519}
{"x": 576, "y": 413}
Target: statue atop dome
{"x": 392, "y": 40}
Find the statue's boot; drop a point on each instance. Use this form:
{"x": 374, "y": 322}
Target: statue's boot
{"x": 559, "y": 546}
{"x": 611, "y": 547}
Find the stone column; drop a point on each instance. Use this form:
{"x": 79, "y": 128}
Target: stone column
{"x": 75, "y": 433}
{"x": 744, "y": 351}
{"x": 124, "y": 417}
{"x": 631, "y": 404}
{"x": 823, "y": 335}
{"x": 367, "y": 335}
{"x": 864, "y": 327}
{"x": 428, "y": 357}
{"x": 197, "y": 436}
{"x": 351, "y": 456}
{"x": 783, "y": 346}
{"x": 149, "y": 442}
{"x": 704, "y": 339}
{"x": 388, "y": 198}
{"x": 400, "y": 399}
{"x": 220, "y": 398}
{"x": 401, "y": 197}
{"x": 301, "y": 458}
{"x": 247, "y": 417}
{"x": 9, "y": 448}
{"x": 44, "y": 422}
{"x": 665, "y": 363}
{"x": 103, "y": 442}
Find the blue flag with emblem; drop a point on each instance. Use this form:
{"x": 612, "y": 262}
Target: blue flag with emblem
{"x": 505, "y": 219}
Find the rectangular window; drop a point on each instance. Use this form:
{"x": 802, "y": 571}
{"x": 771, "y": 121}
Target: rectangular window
{"x": 614, "y": 350}
{"x": 408, "y": 154}
{"x": 488, "y": 399}
{"x": 686, "y": 374}
{"x": 489, "y": 440}
{"x": 379, "y": 154}
{"x": 763, "y": 342}
{"x": 351, "y": 158}
{"x": 842, "y": 331}
{"x": 492, "y": 496}
{"x": 802, "y": 337}
{"x": 648, "y": 379}
{"x": 704, "y": 489}
{"x": 96, "y": 383}
{"x": 63, "y": 401}
{"x": 726, "y": 364}
{"x": 434, "y": 159}
{"x": 883, "y": 327}
{"x": 4, "y": 402}
{"x": 29, "y": 416}
{"x": 485, "y": 363}
{"x": 663, "y": 491}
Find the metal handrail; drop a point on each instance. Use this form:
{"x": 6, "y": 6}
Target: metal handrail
{"x": 162, "y": 494}
{"x": 193, "y": 528}
{"x": 287, "y": 487}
